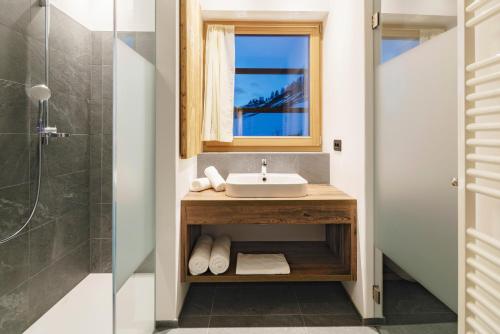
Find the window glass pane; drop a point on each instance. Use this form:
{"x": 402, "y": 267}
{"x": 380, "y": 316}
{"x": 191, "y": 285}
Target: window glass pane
{"x": 271, "y": 124}
{"x": 271, "y": 86}
{"x": 393, "y": 47}
{"x": 272, "y": 51}
{"x": 270, "y": 91}
{"x": 271, "y": 105}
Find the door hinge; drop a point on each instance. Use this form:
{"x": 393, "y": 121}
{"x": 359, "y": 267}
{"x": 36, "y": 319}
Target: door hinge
{"x": 377, "y": 294}
{"x": 375, "y": 20}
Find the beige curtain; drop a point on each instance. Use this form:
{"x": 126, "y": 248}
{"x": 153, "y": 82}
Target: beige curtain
{"x": 219, "y": 84}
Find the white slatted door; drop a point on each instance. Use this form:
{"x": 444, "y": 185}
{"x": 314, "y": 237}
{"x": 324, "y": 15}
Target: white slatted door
{"x": 479, "y": 166}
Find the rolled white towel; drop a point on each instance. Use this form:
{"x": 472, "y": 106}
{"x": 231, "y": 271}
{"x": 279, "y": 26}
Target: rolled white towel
{"x": 218, "y": 183}
{"x": 200, "y": 184}
{"x": 200, "y": 257}
{"x": 219, "y": 258}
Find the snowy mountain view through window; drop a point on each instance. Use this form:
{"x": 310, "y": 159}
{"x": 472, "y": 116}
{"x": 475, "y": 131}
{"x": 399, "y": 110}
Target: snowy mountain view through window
{"x": 272, "y": 85}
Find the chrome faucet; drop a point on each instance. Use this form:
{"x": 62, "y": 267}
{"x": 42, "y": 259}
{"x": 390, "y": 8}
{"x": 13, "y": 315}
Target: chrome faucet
{"x": 44, "y": 129}
{"x": 264, "y": 170}
{"x": 42, "y": 94}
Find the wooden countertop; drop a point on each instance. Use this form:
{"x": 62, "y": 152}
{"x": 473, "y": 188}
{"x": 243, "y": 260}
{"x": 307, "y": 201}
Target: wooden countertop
{"x": 315, "y": 192}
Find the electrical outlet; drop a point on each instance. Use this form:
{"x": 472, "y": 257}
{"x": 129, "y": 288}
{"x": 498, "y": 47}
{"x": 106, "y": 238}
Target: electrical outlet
{"x": 337, "y": 145}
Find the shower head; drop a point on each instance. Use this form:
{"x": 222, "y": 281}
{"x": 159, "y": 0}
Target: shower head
{"x": 39, "y": 93}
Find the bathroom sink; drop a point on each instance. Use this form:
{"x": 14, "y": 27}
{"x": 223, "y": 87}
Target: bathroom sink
{"x": 274, "y": 185}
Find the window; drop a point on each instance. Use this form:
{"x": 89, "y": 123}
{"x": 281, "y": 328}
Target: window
{"x": 271, "y": 87}
{"x": 277, "y": 88}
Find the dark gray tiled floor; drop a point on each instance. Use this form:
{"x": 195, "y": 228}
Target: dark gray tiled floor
{"x": 410, "y": 303}
{"x": 268, "y": 305}
{"x": 441, "y": 328}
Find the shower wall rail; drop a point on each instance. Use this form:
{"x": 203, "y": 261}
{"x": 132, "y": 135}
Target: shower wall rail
{"x": 479, "y": 239}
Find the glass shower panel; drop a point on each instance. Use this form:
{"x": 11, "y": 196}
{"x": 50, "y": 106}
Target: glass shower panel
{"x": 133, "y": 166}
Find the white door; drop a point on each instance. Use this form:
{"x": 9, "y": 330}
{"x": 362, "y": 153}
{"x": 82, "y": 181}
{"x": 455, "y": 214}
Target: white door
{"x": 416, "y": 143}
{"x": 479, "y": 166}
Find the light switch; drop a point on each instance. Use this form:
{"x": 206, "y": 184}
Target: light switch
{"x": 337, "y": 145}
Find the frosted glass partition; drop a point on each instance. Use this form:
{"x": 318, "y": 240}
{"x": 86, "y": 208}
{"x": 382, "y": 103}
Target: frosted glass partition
{"x": 416, "y": 158}
{"x": 134, "y": 157}
{"x": 133, "y": 167}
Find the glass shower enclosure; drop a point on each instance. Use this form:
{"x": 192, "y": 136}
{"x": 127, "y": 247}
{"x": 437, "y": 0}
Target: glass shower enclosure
{"x": 77, "y": 188}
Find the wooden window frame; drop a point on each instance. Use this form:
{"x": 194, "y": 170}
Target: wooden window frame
{"x": 311, "y": 143}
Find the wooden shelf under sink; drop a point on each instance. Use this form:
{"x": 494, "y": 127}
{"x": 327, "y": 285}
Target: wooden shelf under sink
{"x": 331, "y": 260}
{"x": 309, "y": 261}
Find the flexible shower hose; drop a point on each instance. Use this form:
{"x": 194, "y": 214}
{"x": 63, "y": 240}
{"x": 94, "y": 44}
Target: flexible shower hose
{"x": 41, "y": 110}
{"x": 2, "y": 241}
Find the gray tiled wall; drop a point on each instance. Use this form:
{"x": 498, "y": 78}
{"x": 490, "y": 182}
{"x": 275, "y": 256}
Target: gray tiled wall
{"x": 50, "y": 257}
{"x": 101, "y": 140}
{"x": 314, "y": 167}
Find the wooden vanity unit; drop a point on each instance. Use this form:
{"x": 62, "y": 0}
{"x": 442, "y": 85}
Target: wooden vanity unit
{"x": 331, "y": 260}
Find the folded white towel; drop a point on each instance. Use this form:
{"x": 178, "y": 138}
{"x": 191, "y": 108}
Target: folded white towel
{"x": 219, "y": 258}
{"x": 262, "y": 264}
{"x": 215, "y": 178}
{"x": 200, "y": 184}
{"x": 200, "y": 257}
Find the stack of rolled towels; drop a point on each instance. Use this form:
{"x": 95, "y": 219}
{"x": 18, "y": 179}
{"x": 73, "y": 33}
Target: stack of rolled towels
{"x": 210, "y": 254}
{"x": 213, "y": 179}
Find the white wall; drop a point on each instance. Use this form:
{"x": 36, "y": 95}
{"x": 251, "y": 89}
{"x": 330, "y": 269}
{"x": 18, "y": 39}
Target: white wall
{"x": 420, "y": 7}
{"x": 97, "y": 15}
{"x": 347, "y": 62}
{"x": 172, "y": 174}
{"x": 264, "y": 9}
{"x": 267, "y": 5}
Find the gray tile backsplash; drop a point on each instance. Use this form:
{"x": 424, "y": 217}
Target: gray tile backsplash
{"x": 314, "y": 167}
{"x": 51, "y": 256}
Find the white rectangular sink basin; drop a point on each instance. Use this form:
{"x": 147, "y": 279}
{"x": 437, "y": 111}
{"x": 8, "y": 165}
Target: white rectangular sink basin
{"x": 276, "y": 185}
